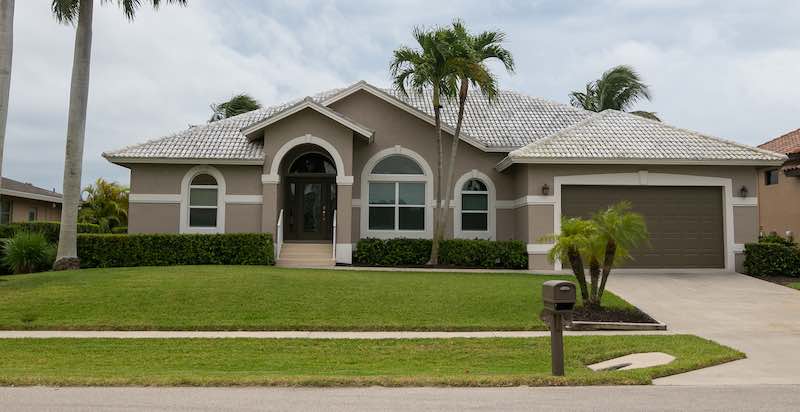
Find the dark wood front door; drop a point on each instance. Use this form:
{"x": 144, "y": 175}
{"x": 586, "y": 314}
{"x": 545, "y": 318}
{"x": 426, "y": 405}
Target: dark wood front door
{"x": 309, "y": 203}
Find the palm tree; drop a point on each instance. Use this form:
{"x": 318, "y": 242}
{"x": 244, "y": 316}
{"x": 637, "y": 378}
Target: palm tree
{"x": 618, "y": 88}
{"x": 241, "y": 103}
{"x": 468, "y": 54}
{"x": 618, "y": 231}
{"x": 428, "y": 68}
{"x": 80, "y": 12}
{"x": 6, "y": 49}
{"x": 106, "y": 205}
{"x": 575, "y": 237}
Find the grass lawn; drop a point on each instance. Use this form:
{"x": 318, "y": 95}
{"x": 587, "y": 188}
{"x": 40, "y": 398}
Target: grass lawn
{"x": 336, "y": 362}
{"x": 795, "y": 285}
{"x": 269, "y": 298}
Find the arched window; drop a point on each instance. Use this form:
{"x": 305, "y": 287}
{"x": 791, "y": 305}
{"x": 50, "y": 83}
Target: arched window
{"x": 312, "y": 163}
{"x": 474, "y": 206}
{"x": 203, "y": 202}
{"x": 397, "y": 191}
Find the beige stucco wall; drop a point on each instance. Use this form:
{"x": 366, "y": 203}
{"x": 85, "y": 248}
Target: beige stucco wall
{"x": 779, "y": 205}
{"x": 241, "y": 218}
{"x": 45, "y": 211}
{"x": 153, "y": 218}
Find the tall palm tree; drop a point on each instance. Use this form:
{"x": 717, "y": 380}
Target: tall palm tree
{"x": 241, "y": 103}
{"x": 80, "y": 12}
{"x": 428, "y": 67}
{"x": 468, "y": 54}
{"x": 6, "y": 48}
{"x": 619, "y": 88}
{"x": 106, "y": 205}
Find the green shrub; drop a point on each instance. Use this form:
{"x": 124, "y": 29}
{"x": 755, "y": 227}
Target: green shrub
{"x": 456, "y": 252}
{"x": 48, "y": 229}
{"x": 119, "y": 230}
{"x": 772, "y": 238}
{"x": 3, "y": 269}
{"x": 771, "y": 259}
{"x": 106, "y": 250}
{"x": 28, "y": 252}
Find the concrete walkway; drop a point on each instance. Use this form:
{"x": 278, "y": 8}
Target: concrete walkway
{"x": 759, "y": 318}
{"x": 13, "y": 334}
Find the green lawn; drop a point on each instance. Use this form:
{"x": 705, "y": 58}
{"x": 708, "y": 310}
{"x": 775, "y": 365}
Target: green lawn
{"x": 332, "y": 362}
{"x": 795, "y": 285}
{"x": 269, "y": 298}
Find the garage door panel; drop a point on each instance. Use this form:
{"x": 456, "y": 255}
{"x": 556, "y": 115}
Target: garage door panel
{"x": 685, "y": 223}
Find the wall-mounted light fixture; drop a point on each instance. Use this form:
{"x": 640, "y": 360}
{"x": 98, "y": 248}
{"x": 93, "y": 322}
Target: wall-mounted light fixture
{"x": 743, "y": 191}
{"x": 545, "y": 190}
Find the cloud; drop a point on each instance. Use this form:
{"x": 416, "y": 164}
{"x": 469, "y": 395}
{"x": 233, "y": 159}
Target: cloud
{"x": 727, "y": 69}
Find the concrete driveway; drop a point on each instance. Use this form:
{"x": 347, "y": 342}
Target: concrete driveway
{"x": 759, "y": 318}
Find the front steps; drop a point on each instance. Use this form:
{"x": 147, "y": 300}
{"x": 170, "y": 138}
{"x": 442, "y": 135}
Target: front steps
{"x": 306, "y": 255}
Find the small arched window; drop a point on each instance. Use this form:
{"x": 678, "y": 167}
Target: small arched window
{"x": 203, "y": 201}
{"x": 312, "y": 163}
{"x": 474, "y": 206}
{"x": 397, "y": 195}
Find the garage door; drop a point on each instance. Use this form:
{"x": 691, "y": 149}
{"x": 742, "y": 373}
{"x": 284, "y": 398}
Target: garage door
{"x": 685, "y": 223}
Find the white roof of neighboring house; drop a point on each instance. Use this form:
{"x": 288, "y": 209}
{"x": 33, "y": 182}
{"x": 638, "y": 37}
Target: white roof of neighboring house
{"x": 619, "y": 137}
{"x": 550, "y": 130}
{"x": 11, "y": 187}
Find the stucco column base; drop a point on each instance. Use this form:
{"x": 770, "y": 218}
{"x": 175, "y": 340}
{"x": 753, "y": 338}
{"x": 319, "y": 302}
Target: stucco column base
{"x": 269, "y": 210}
{"x": 344, "y": 225}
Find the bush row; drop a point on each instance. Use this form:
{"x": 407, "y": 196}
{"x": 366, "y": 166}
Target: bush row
{"x": 509, "y": 254}
{"x": 48, "y": 229}
{"x": 106, "y": 250}
{"x": 772, "y": 259}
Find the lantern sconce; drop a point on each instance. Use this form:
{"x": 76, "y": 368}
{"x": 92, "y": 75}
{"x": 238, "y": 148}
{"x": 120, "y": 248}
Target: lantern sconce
{"x": 545, "y": 190}
{"x": 743, "y": 191}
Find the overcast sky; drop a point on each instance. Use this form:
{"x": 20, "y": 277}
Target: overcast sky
{"x": 728, "y": 68}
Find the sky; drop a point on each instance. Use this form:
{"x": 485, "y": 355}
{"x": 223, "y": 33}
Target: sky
{"x": 727, "y": 68}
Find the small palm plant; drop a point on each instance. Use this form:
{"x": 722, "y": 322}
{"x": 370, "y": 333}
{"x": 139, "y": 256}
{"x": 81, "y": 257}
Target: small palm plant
{"x": 28, "y": 252}
{"x": 603, "y": 242}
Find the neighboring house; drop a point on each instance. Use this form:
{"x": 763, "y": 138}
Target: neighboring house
{"x": 779, "y": 188}
{"x": 24, "y": 202}
{"x": 369, "y": 155}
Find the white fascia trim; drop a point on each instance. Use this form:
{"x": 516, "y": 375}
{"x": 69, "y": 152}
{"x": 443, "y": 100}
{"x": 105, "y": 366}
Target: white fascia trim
{"x": 154, "y": 198}
{"x": 362, "y": 85}
{"x": 152, "y": 160}
{"x": 309, "y": 103}
{"x": 745, "y": 201}
{"x": 270, "y": 179}
{"x": 345, "y": 180}
{"x": 508, "y": 161}
{"x": 539, "y": 248}
{"x": 344, "y": 253}
{"x": 34, "y": 196}
{"x": 491, "y": 232}
{"x": 643, "y": 178}
{"x": 244, "y": 199}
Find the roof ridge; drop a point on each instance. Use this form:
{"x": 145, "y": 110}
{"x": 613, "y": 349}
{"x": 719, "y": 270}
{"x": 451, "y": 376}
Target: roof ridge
{"x": 698, "y": 134}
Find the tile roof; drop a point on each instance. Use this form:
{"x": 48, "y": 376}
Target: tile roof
{"x": 14, "y": 185}
{"x": 787, "y": 143}
{"x": 615, "y": 135}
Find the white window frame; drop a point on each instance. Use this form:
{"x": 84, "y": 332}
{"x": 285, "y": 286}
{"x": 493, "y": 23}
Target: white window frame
{"x": 186, "y": 187}
{"x": 427, "y": 178}
{"x": 491, "y": 230}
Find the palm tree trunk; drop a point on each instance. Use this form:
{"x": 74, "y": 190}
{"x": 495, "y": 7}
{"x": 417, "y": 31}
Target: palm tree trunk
{"x": 6, "y": 49}
{"x": 608, "y": 262}
{"x": 448, "y": 189}
{"x": 67, "y": 257}
{"x": 594, "y": 275}
{"x": 576, "y": 263}
{"x": 437, "y": 210}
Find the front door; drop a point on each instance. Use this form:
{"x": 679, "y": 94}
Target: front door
{"x": 310, "y": 203}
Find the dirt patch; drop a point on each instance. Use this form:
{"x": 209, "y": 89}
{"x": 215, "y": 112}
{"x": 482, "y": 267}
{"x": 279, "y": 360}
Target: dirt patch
{"x": 611, "y": 315}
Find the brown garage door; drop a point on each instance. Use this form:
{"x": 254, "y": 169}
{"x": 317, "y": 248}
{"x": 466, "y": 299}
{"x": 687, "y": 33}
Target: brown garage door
{"x": 685, "y": 223}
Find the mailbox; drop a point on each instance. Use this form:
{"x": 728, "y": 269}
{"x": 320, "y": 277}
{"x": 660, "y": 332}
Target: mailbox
{"x": 558, "y": 296}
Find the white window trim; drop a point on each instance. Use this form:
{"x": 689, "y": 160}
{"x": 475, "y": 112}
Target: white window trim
{"x": 427, "y": 178}
{"x": 221, "y": 192}
{"x": 643, "y": 178}
{"x": 491, "y": 232}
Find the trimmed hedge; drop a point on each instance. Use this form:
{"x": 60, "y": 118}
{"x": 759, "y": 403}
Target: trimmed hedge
{"x": 106, "y": 250}
{"x": 119, "y": 230}
{"x": 508, "y": 254}
{"x": 771, "y": 259}
{"x": 48, "y": 229}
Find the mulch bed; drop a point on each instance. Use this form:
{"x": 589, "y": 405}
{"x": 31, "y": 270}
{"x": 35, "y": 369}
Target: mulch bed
{"x": 611, "y": 315}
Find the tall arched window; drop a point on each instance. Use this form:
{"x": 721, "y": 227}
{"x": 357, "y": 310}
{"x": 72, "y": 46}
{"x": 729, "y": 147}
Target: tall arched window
{"x": 396, "y": 195}
{"x": 474, "y": 215}
{"x": 203, "y": 200}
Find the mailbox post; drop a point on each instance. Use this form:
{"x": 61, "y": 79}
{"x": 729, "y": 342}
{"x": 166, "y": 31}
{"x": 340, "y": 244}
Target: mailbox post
{"x": 558, "y": 297}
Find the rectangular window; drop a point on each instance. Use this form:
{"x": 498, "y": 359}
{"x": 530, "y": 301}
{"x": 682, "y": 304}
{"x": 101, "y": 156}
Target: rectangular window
{"x": 396, "y": 206}
{"x": 771, "y": 177}
{"x": 32, "y": 214}
{"x": 5, "y": 211}
{"x": 475, "y": 211}
{"x": 203, "y": 207}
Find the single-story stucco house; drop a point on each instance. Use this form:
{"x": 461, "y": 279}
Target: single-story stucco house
{"x": 779, "y": 188}
{"x": 359, "y": 162}
{"x": 24, "y": 202}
